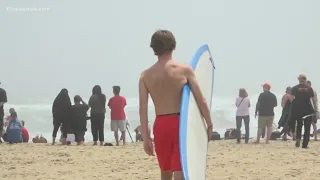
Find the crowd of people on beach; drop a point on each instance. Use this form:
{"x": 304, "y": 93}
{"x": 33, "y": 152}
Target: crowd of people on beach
{"x": 299, "y": 107}
{"x": 72, "y": 119}
{"x": 164, "y": 81}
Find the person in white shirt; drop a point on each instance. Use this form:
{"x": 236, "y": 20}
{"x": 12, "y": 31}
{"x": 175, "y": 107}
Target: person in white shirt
{"x": 243, "y": 105}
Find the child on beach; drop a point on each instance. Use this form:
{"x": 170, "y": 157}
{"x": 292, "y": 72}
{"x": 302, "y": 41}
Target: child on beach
{"x": 118, "y": 117}
{"x": 25, "y": 133}
{"x": 79, "y": 124}
{"x": 164, "y": 82}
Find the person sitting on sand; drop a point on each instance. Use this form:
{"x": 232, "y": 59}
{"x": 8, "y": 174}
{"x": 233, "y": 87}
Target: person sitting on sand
{"x": 14, "y": 130}
{"x": 79, "y": 124}
{"x": 25, "y": 133}
{"x": 284, "y": 121}
{"x": 138, "y": 134}
{"x": 231, "y": 133}
{"x": 8, "y": 118}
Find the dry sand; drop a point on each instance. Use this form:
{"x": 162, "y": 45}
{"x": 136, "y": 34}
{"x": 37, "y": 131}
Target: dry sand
{"x": 227, "y": 160}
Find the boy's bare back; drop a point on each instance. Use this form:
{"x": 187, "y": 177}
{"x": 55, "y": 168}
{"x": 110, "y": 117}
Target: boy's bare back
{"x": 164, "y": 81}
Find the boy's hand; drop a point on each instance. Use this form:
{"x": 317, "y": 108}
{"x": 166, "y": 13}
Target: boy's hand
{"x": 148, "y": 147}
{"x": 209, "y": 131}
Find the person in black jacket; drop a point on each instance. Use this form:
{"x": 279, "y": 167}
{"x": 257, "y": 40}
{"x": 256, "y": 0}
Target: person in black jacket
{"x": 79, "y": 124}
{"x": 303, "y": 110}
{"x": 61, "y": 112}
{"x": 265, "y": 110}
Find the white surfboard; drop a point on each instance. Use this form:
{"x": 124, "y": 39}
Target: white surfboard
{"x": 193, "y": 129}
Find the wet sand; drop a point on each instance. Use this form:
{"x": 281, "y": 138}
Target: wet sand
{"x": 227, "y": 160}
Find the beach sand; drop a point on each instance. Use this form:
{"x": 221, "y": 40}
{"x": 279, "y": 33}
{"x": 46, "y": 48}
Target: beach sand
{"x": 227, "y": 160}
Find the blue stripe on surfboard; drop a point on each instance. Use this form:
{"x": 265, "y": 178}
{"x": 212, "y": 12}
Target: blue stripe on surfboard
{"x": 184, "y": 109}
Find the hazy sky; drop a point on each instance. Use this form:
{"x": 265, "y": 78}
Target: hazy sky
{"x": 77, "y": 44}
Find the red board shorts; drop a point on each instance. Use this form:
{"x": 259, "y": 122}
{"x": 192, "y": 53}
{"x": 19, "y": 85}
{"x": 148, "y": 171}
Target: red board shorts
{"x": 166, "y": 141}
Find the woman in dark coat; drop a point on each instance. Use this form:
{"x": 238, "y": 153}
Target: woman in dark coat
{"x": 61, "y": 112}
{"x": 97, "y": 103}
{"x": 285, "y": 118}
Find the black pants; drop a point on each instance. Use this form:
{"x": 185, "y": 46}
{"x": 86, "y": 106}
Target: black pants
{"x": 246, "y": 120}
{"x": 307, "y": 125}
{"x": 79, "y": 135}
{"x": 97, "y": 127}
{"x": 56, "y": 127}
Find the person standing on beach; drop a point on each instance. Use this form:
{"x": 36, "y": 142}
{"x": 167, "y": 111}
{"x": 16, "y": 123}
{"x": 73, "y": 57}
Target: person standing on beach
{"x": 118, "y": 117}
{"x": 314, "y": 118}
{"x": 267, "y": 101}
{"x": 97, "y": 103}
{"x": 243, "y": 105}
{"x": 62, "y": 114}
{"x": 79, "y": 124}
{"x": 164, "y": 82}
{"x": 3, "y": 100}
{"x": 284, "y": 122}
{"x": 301, "y": 106}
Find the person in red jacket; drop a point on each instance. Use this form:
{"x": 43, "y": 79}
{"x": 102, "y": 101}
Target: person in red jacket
{"x": 25, "y": 133}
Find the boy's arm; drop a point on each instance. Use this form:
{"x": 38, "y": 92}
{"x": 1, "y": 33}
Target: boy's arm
{"x": 143, "y": 108}
{"x": 201, "y": 101}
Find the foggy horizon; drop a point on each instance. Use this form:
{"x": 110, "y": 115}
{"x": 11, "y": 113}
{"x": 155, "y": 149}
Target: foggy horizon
{"x": 76, "y": 45}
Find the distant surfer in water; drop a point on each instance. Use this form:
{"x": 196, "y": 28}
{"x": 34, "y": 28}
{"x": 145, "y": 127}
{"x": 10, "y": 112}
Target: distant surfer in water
{"x": 314, "y": 118}
{"x": 301, "y": 107}
{"x": 3, "y": 100}
{"x": 164, "y": 82}
{"x": 284, "y": 121}
{"x": 62, "y": 114}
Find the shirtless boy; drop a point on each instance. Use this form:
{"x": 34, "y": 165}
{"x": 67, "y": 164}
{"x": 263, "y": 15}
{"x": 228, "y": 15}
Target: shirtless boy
{"x": 164, "y": 82}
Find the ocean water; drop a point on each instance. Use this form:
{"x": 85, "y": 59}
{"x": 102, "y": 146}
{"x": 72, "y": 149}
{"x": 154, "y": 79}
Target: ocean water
{"x": 38, "y": 117}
